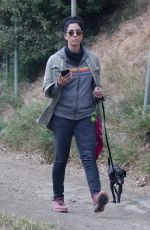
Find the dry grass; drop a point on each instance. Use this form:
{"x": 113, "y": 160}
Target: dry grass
{"x": 129, "y": 44}
{"x": 124, "y": 56}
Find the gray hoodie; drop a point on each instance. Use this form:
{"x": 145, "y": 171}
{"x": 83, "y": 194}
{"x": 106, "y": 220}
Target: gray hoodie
{"x": 75, "y": 100}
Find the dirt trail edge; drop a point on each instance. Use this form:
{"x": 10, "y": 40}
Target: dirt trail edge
{"x": 26, "y": 190}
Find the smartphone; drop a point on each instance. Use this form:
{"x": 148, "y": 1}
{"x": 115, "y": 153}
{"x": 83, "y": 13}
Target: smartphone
{"x": 65, "y": 72}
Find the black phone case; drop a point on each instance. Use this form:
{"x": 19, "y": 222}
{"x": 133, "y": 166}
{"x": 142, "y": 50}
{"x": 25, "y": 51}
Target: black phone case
{"x": 64, "y": 72}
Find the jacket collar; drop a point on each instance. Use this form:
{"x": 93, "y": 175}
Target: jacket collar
{"x": 62, "y": 53}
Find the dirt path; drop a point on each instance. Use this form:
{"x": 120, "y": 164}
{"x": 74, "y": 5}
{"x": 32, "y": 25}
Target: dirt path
{"x": 26, "y": 190}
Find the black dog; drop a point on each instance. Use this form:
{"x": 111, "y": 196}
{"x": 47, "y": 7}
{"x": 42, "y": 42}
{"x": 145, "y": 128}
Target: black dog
{"x": 116, "y": 177}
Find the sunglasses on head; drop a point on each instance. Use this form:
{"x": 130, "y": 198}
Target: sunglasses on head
{"x": 78, "y": 32}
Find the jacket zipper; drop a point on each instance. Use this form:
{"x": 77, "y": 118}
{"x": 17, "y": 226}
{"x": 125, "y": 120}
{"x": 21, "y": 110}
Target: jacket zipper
{"x": 77, "y": 95}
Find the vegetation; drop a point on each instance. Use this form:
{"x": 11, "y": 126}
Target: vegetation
{"x": 35, "y": 25}
{"x": 13, "y": 222}
{"x": 33, "y": 28}
{"x": 129, "y": 126}
{"x": 23, "y": 133}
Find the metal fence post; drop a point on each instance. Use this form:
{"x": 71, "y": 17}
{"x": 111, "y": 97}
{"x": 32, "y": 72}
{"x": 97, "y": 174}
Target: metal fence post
{"x": 147, "y": 87}
{"x": 6, "y": 72}
{"x": 73, "y": 8}
{"x": 15, "y": 62}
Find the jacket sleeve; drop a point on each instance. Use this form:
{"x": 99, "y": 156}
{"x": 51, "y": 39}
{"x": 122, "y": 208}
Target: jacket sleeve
{"x": 98, "y": 71}
{"x": 52, "y": 72}
{"x": 95, "y": 67}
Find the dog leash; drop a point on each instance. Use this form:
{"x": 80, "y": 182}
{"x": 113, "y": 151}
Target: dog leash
{"x": 107, "y": 142}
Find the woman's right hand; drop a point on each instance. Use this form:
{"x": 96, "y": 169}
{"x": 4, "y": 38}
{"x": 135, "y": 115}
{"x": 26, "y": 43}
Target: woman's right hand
{"x": 64, "y": 80}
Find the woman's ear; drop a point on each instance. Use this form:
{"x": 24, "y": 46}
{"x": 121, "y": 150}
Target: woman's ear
{"x": 65, "y": 36}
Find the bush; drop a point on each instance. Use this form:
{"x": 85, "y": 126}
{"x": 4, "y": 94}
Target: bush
{"x": 23, "y": 133}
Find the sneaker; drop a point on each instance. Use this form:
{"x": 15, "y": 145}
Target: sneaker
{"x": 59, "y": 205}
{"x": 100, "y": 200}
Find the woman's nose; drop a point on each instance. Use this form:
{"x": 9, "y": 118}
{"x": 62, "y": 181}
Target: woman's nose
{"x": 75, "y": 34}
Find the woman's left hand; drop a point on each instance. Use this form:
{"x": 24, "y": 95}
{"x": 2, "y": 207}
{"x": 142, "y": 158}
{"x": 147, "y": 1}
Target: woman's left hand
{"x": 99, "y": 92}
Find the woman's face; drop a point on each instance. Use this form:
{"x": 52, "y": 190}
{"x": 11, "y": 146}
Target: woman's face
{"x": 74, "y": 35}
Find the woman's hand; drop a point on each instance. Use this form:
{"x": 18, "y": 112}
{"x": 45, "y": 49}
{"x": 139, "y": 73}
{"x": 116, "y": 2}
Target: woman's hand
{"x": 64, "y": 80}
{"x": 99, "y": 92}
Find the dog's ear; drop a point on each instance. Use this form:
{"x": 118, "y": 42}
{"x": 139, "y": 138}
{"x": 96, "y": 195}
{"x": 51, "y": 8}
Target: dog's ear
{"x": 124, "y": 173}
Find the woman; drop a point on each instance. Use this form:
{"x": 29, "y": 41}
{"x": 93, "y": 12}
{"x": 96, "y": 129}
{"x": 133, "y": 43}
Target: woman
{"x": 69, "y": 113}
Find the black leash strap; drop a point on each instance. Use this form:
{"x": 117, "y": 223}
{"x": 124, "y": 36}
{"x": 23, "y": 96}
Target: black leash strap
{"x": 110, "y": 157}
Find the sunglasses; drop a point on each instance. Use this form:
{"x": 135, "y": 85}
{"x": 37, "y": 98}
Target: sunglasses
{"x": 78, "y": 32}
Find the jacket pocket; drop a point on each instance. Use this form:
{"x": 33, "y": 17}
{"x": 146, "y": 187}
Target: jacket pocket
{"x": 96, "y": 70}
{"x": 55, "y": 71}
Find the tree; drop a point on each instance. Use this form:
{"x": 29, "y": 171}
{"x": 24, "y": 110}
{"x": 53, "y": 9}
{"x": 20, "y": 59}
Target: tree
{"x": 37, "y": 31}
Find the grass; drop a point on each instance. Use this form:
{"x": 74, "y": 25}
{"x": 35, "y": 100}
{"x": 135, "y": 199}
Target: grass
{"x": 2, "y": 124}
{"x": 128, "y": 9}
{"x": 22, "y": 132}
{"x": 15, "y": 223}
{"x": 13, "y": 101}
{"x": 128, "y": 125}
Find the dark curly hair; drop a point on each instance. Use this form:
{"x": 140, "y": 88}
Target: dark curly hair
{"x": 70, "y": 20}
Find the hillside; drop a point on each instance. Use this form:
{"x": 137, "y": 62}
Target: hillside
{"x": 129, "y": 44}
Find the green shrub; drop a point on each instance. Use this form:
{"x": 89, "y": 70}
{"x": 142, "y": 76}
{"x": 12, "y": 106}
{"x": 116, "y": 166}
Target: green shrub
{"x": 2, "y": 124}
{"x": 14, "y": 101}
{"x": 22, "y": 132}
